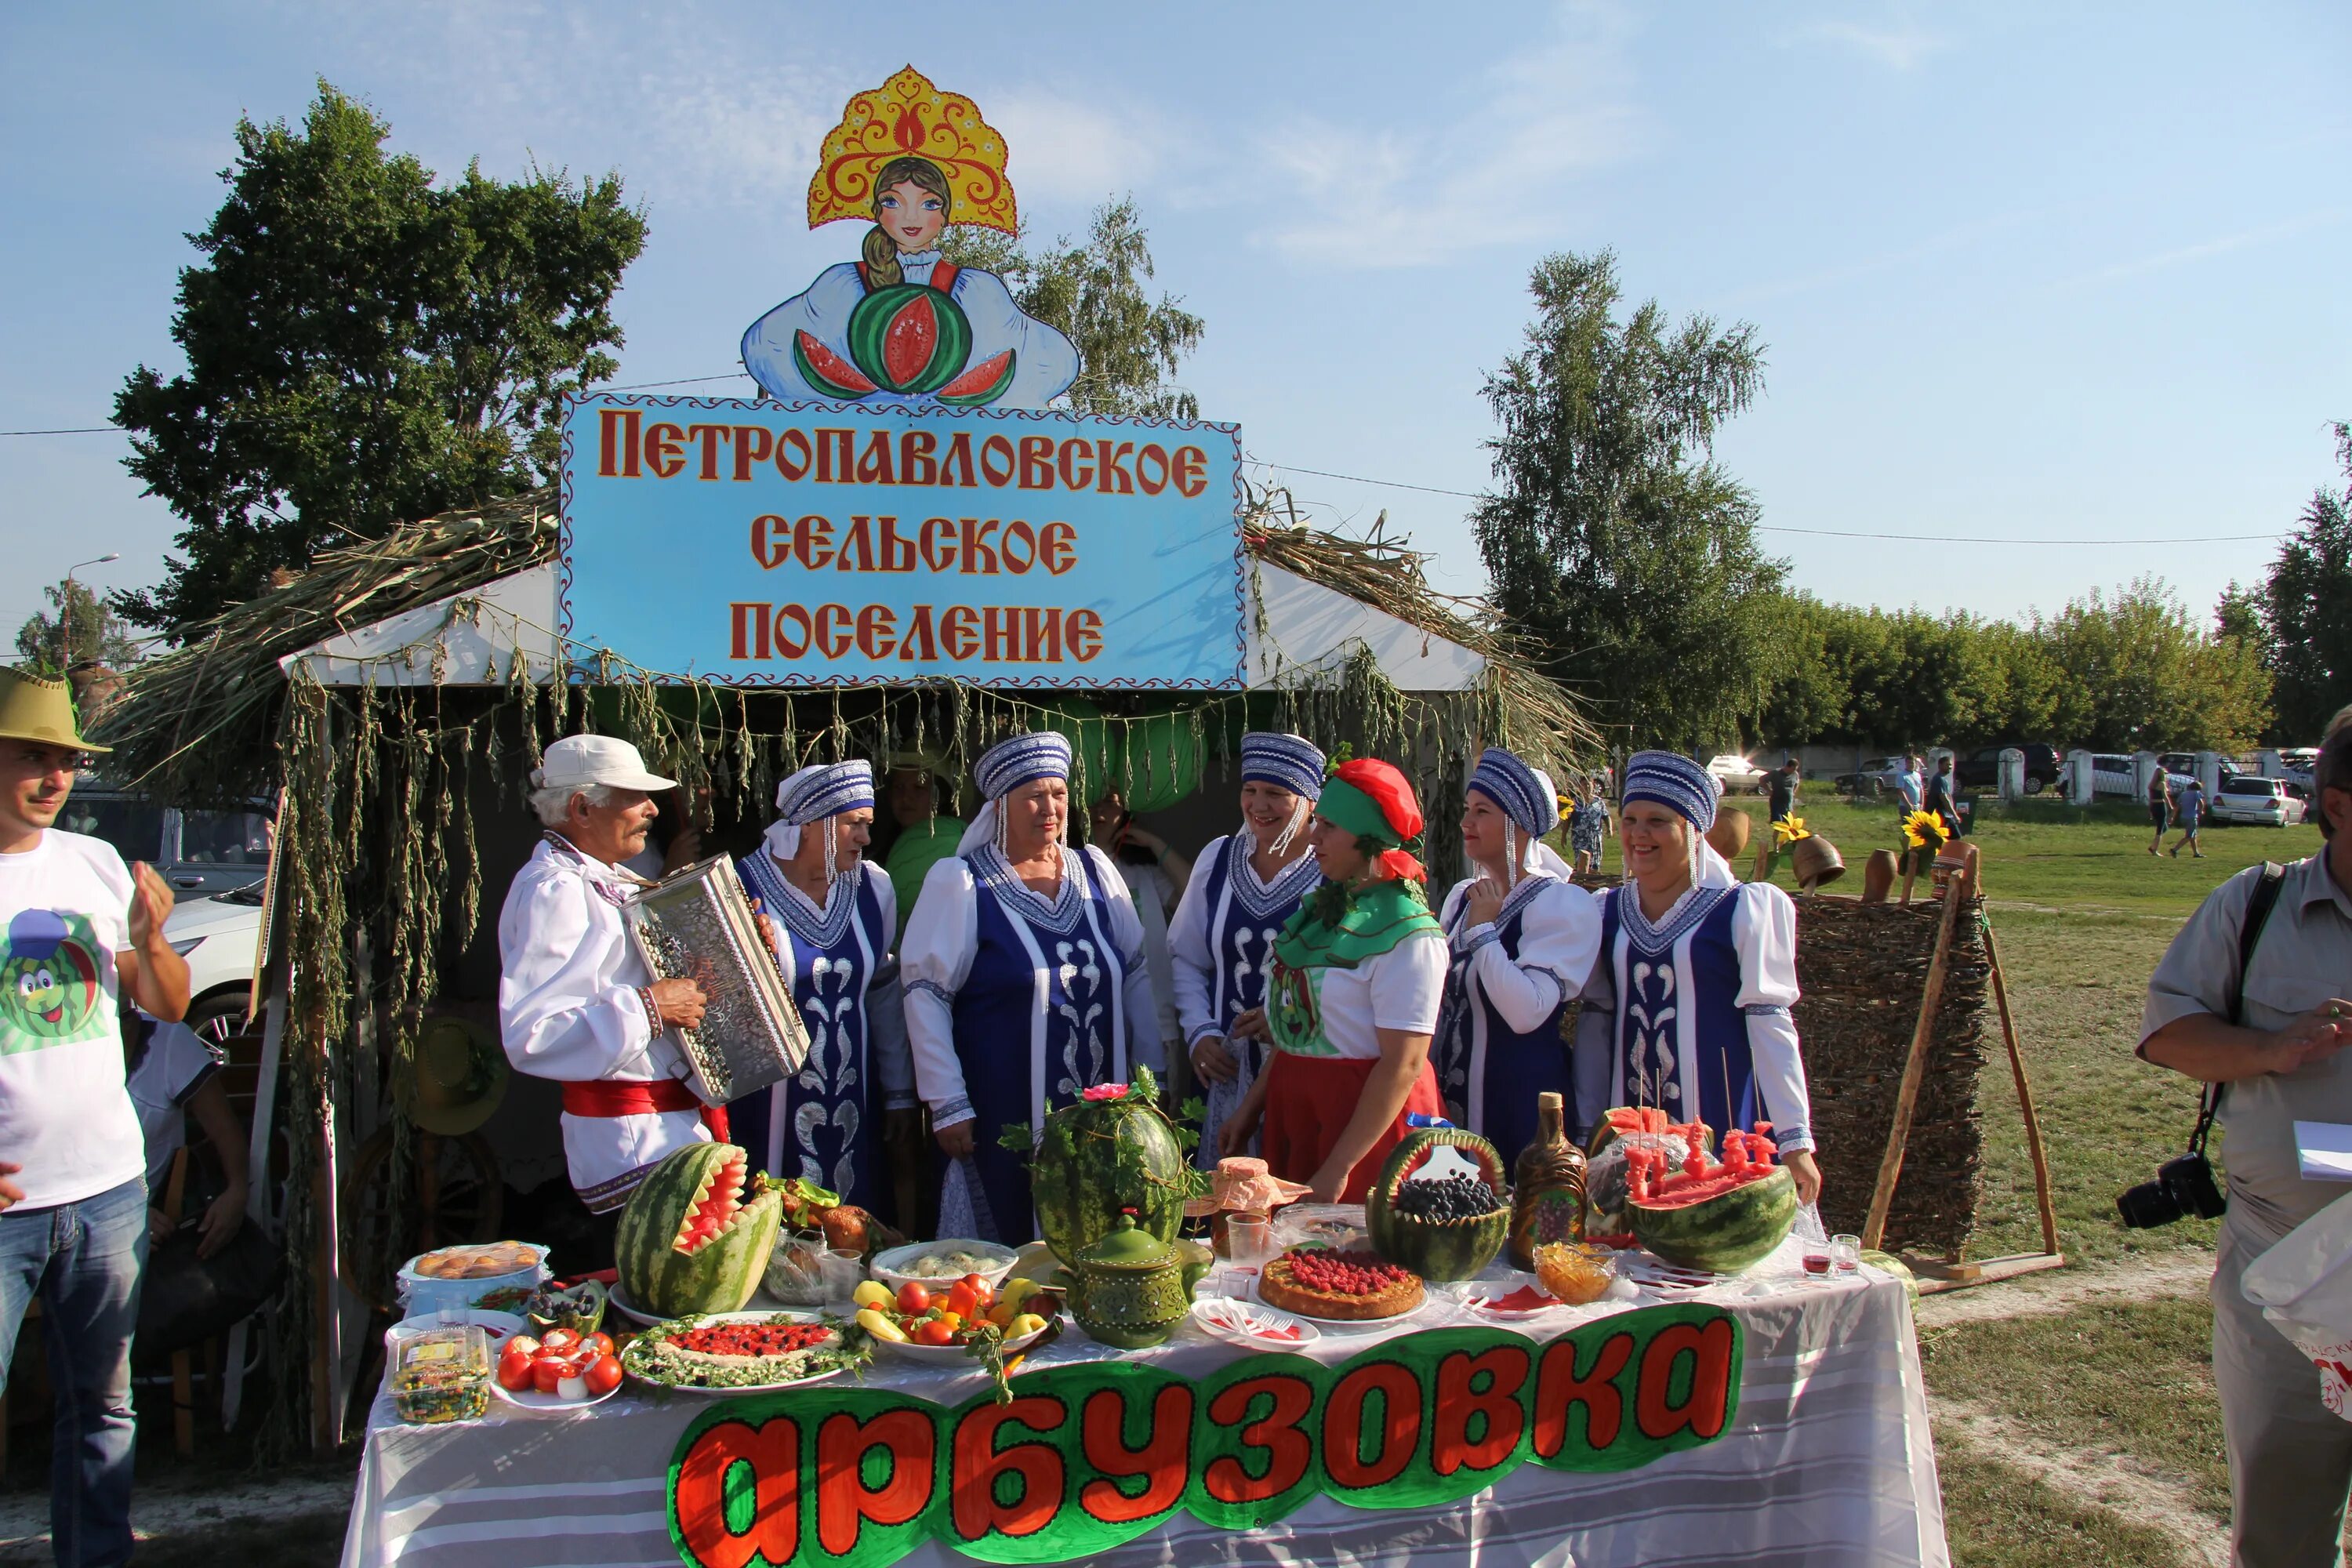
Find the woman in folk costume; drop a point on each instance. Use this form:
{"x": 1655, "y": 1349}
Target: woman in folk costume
{"x": 835, "y": 917}
{"x": 1687, "y": 1006}
{"x": 1522, "y": 939}
{"x": 1025, "y": 983}
{"x": 1242, "y": 890}
{"x": 1353, "y": 999}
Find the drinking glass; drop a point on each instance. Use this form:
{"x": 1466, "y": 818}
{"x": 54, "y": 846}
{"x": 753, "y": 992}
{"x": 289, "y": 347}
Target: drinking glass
{"x": 842, "y": 1272}
{"x": 1845, "y": 1254}
{"x": 1249, "y": 1239}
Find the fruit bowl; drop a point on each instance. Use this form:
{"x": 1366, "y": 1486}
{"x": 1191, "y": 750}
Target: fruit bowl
{"x": 991, "y": 1262}
{"x": 955, "y": 1356}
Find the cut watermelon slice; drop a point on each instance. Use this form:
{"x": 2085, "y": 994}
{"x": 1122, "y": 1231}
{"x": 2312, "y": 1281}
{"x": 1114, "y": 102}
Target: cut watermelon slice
{"x": 984, "y": 382}
{"x": 827, "y": 371}
{"x": 911, "y": 340}
{"x": 714, "y": 1207}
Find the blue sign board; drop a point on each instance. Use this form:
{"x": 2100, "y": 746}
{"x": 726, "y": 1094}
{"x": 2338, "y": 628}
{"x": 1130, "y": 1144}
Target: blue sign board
{"x": 827, "y": 545}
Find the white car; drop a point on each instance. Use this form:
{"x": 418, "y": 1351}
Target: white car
{"x": 2263, "y": 802}
{"x": 1734, "y": 771}
{"x": 219, "y": 937}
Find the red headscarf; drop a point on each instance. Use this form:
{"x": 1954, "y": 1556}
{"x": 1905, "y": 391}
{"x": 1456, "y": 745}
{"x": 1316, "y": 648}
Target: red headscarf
{"x": 1370, "y": 782}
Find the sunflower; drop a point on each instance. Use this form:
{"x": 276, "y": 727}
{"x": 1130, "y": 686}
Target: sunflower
{"x": 1788, "y": 830}
{"x": 1924, "y": 830}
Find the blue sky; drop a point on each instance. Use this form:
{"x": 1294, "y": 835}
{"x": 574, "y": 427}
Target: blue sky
{"x": 2025, "y": 271}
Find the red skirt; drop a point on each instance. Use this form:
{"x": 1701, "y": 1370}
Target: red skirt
{"x": 1308, "y": 1103}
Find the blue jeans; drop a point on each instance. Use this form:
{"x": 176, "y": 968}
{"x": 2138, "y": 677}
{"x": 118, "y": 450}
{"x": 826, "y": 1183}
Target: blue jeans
{"x": 83, "y": 1260}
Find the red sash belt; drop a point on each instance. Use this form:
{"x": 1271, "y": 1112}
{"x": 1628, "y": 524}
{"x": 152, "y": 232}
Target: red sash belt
{"x": 607, "y": 1097}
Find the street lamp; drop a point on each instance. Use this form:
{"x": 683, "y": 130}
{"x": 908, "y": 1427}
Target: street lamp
{"x": 65, "y": 608}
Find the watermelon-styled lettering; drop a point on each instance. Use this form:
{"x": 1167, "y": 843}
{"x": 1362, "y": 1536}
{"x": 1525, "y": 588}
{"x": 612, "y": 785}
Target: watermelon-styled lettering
{"x": 1160, "y": 1464}
{"x": 918, "y": 643}
{"x": 897, "y": 553}
{"x": 1042, "y": 630}
{"x": 999, "y": 634}
{"x": 1082, "y": 633}
{"x": 813, "y": 541}
{"x": 979, "y": 1465}
{"x": 1057, "y": 547}
{"x": 1077, "y": 463}
{"x": 1277, "y": 1433}
{"x": 837, "y": 459}
{"x": 709, "y": 436}
{"x": 788, "y": 643}
{"x": 1397, "y": 1436}
{"x": 747, "y": 631}
{"x": 1036, "y": 462}
{"x": 916, "y": 464}
{"x": 1188, "y": 475}
{"x": 1461, "y": 1403}
{"x": 978, "y": 555}
{"x": 699, "y": 1494}
{"x": 844, "y": 1503}
{"x": 1562, "y": 1389}
{"x": 1112, "y": 465}
{"x": 834, "y": 629}
{"x": 772, "y": 541}
{"x": 1153, "y": 456}
{"x": 990, "y": 451}
{"x": 955, "y": 469}
{"x": 1021, "y": 532}
{"x": 874, "y": 465}
{"x": 665, "y": 450}
{"x": 877, "y": 631}
{"x": 752, "y": 443}
{"x": 616, "y": 439}
{"x": 1705, "y": 1405}
{"x": 794, "y": 454}
{"x": 938, "y": 543}
{"x": 959, "y": 632}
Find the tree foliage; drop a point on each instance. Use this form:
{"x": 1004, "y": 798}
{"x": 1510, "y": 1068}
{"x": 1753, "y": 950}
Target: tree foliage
{"x": 1129, "y": 349}
{"x": 97, "y": 633}
{"x": 364, "y": 346}
{"x": 1613, "y": 539}
{"x": 2307, "y": 611}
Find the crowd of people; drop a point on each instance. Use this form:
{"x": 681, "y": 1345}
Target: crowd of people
{"x": 1297, "y": 972}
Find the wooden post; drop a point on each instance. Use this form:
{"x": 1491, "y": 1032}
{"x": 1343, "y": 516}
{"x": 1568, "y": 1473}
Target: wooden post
{"x": 326, "y": 1338}
{"x": 1915, "y": 1065}
{"x": 2024, "y": 1101}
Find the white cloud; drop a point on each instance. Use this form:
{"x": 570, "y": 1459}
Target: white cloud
{"x": 1896, "y": 45}
{"x": 1065, "y": 151}
{"x": 1495, "y": 170}
{"x": 2220, "y": 245}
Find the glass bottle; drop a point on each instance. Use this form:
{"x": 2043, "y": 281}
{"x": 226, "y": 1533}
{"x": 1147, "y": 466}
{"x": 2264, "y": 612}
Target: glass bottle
{"x": 1547, "y": 1186}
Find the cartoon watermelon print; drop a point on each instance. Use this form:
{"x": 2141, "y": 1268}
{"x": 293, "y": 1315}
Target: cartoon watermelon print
{"x": 50, "y": 985}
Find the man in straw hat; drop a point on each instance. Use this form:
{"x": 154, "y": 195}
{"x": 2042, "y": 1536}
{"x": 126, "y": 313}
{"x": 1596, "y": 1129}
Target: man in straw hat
{"x": 78, "y": 929}
{"x": 576, "y": 1003}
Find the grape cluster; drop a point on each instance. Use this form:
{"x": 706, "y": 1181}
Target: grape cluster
{"x": 1343, "y": 1273}
{"x": 1447, "y": 1200}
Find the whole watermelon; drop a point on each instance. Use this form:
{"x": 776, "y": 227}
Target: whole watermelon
{"x": 691, "y": 1237}
{"x": 1721, "y": 1225}
{"x": 1444, "y": 1229}
{"x": 909, "y": 337}
{"x": 1101, "y": 1158}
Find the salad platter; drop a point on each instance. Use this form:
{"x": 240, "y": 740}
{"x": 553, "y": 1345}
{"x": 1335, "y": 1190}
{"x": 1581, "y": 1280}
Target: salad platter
{"x": 741, "y": 1353}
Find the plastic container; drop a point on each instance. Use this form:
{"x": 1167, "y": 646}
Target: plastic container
{"x": 441, "y": 1374}
{"x": 456, "y": 1278}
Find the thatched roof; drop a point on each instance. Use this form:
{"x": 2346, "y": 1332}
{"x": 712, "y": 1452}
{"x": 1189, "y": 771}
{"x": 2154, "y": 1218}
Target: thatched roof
{"x": 203, "y": 719}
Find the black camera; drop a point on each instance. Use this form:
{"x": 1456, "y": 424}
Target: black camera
{"x": 2183, "y": 1186}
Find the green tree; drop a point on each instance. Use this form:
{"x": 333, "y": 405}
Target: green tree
{"x": 2138, "y": 673}
{"x": 1613, "y": 539}
{"x": 2307, "y": 611}
{"x": 364, "y": 347}
{"x": 97, "y": 632}
{"x": 1129, "y": 349}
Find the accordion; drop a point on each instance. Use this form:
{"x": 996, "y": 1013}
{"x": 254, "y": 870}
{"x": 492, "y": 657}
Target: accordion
{"x": 697, "y": 924}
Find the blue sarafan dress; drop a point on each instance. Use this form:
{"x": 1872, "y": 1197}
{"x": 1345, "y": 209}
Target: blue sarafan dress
{"x": 1016, "y": 1002}
{"x": 1690, "y": 1013}
{"x": 825, "y": 1121}
{"x": 1223, "y": 943}
{"x": 1507, "y": 983}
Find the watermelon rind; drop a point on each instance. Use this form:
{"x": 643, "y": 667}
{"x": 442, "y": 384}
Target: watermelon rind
{"x": 1099, "y": 1159}
{"x": 1724, "y": 1234}
{"x": 1437, "y": 1249}
{"x": 869, "y": 329}
{"x": 821, "y": 370}
{"x": 717, "y": 1277}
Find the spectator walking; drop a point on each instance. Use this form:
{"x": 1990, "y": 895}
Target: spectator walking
{"x": 2159, "y": 805}
{"x": 2271, "y": 1039}
{"x": 1941, "y": 800}
{"x": 1909, "y": 784}
{"x": 1588, "y": 823}
{"x": 1780, "y": 789}
{"x": 2188, "y": 808}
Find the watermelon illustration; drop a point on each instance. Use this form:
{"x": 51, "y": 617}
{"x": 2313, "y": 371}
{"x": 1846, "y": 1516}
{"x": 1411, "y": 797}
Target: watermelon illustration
{"x": 1702, "y": 1214}
{"x": 827, "y": 371}
{"x": 983, "y": 383}
{"x": 691, "y": 1239}
{"x": 1111, "y": 1152}
{"x": 1440, "y": 1206}
{"x": 910, "y": 338}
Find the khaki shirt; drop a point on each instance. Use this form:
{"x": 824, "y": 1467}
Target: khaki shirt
{"x": 2303, "y": 957}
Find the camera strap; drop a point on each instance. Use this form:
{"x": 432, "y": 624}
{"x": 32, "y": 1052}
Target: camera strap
{"x": 2259, "y": 904}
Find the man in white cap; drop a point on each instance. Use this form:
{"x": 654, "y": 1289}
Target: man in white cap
{"x": 576, "y": 1003}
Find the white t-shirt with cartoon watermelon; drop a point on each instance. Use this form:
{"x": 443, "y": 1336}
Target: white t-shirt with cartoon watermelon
{"x": 65, "y": 1114}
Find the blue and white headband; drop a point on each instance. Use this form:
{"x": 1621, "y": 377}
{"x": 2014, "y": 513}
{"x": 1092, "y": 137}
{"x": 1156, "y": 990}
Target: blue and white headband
{"x": 814, "y": 794}
{"x": 1675, "y": 782}
{"x": 1525, "y": 793}
{"x": 1287, "y": 762}
{"x": 1023, "y": 759}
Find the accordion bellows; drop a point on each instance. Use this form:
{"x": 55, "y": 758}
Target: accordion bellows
{"x": 697, "y": 924}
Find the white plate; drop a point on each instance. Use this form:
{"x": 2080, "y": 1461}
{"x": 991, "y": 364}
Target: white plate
{"x": 955, "y": 1356}
{"x": 1354, "y": 1324}
{"x": 1245, "y": 1324}
{"x": 734, "y": 1388}
{"x": 889, "y": 1266}
{"x": 533, "y": 1399}
{"x": 497, "y": 1327}
{"x": 1482, "y": 1306}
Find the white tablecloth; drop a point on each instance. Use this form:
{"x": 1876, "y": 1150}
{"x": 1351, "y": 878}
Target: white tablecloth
{"x": 1828, "y": 1461}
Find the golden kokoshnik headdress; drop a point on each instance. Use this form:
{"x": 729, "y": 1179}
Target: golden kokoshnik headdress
{"x": 907, "y": 116}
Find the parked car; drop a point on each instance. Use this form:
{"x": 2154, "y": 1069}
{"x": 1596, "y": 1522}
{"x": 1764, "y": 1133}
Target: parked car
{"x": 199, "y": 852}
{"x": 1734, "y": 771}
{"x": 1980, "y": 769}
{"x": 2263, "y": 802}
{"x": 2184, "y": 764}
{"x": 1875, "y": 778}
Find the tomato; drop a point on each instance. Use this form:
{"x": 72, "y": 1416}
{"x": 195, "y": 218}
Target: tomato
{"x": 913, "y": 1297}
{"x": 962, "y": 1299}
{"x": 560, "y": 1339}
{"x": 604, "y": 1375}
{"x": 514, "y": 1370}
{"x": 547, "y": 1374}
{"x": 601, "y": 1342}
{"x": 524, "y": 1343}
{"x": 933, "y": 1332}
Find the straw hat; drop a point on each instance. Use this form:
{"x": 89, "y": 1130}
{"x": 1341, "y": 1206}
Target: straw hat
{"x": 32, "y": 709}
{"x": 455, "y": 1078}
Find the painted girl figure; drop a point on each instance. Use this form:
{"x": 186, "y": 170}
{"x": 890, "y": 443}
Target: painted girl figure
{"x": 903, "y": 324}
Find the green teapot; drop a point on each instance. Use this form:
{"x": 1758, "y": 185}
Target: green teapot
{"x": 1130, "y": 1289}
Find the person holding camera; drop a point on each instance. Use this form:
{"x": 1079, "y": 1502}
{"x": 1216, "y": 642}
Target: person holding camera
{"x": 2254, "y": 999}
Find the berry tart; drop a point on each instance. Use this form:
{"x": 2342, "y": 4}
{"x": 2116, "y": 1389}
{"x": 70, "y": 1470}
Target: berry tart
{"x": 1349, "y": 1287}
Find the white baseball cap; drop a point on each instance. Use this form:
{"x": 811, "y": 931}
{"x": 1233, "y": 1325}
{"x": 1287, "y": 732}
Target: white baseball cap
{"x": 577, "y": 761}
